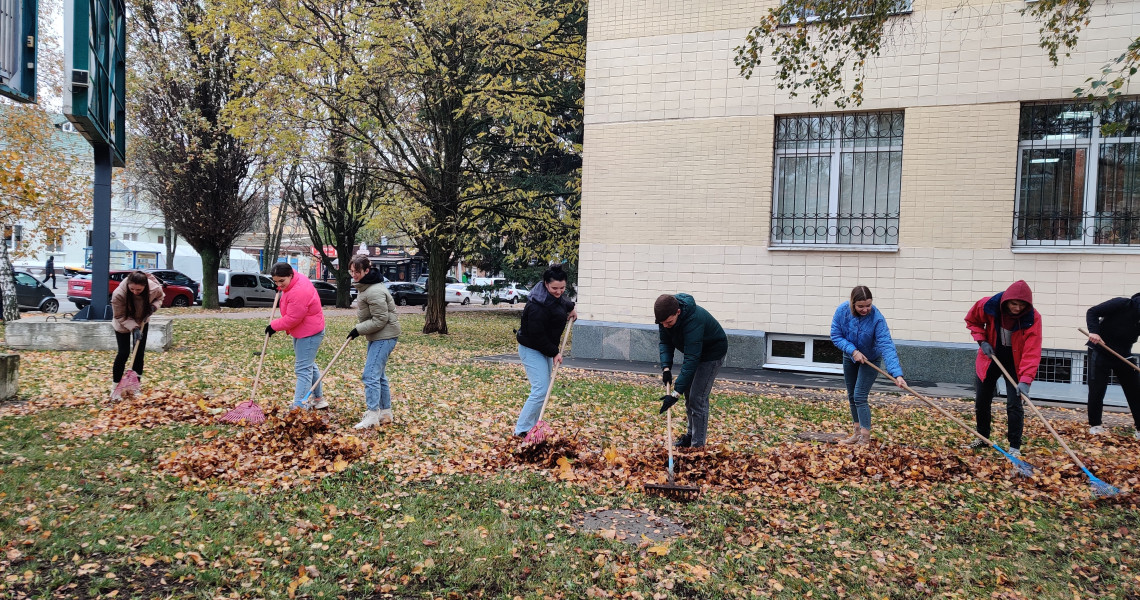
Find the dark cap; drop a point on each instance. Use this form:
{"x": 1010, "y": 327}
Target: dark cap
{"x": 665, "y": 307}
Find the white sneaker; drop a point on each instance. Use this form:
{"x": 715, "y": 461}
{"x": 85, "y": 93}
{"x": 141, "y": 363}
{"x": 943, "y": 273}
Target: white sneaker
{"x": 386, "y": 416}
{"x": 1136, "y": 434}
{"x": 320, "y": 404}
{"x": 115, "y": 395}
{"x": 1097, "y": 430}
{"x": 371, "y": 419}
{"x": 1015, "y": 452}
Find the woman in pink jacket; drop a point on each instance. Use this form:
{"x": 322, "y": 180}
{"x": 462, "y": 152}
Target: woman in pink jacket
{"x": 302, "y": 318}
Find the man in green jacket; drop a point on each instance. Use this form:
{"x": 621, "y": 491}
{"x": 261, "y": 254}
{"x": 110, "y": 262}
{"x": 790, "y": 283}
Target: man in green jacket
{"x": 376, "y": 313}
{"x": 681, "y": 324}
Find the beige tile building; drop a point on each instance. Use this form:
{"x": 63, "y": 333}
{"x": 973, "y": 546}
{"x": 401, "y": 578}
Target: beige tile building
{"x": 963, "y": 170}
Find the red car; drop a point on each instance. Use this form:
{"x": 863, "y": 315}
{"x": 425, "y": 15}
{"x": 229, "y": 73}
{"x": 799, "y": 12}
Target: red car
{"x": 79, "y": 290}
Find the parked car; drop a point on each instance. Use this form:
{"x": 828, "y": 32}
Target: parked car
{"x": 408, "y": 293}
{"x": 512, "y": 293}
{"x": 79, "y": 290}
{"x": 177, "y": 278}
{"x": 457, "y": 292}
{"x": 327, "y": 291}
{"x": 423, "y": 279}
{"x": 31, "y": 294}
{"x": 245, "y": 288}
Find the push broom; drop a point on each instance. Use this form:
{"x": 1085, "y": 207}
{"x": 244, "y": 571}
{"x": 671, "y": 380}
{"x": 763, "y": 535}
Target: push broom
{"x": 249, "y": 411}
{"x": 305, "y": 400}
{"x": 129, "y": 383}
{"x": 670, "y": 489}
{"x": 541, "y": 429}
{"x": 1099, "y": 488}
{"x": 1023, "y": 468}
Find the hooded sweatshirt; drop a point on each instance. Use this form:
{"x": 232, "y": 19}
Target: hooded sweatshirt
{"x": 120, "y": 322}
{"x": 989, "y": 321}
{"x": 301, "y": 314}
{"x": 375, "y": 309}
{"x": 697, "y": 334}
{"x": 1117, "y": 321}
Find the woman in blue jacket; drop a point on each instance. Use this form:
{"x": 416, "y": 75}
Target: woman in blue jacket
{"x": 859, "y": 330}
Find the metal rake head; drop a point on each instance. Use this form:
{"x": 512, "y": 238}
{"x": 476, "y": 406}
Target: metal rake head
{"x": 682, "y": 493}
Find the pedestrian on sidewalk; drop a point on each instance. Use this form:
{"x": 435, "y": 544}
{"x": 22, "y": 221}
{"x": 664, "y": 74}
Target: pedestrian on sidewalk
{"x": 1116, "y": 324}
{"x": 303, "y": 319}
{"x": 1008, "y": 329}
{"x": 49, "y": 271}
{"x": 860, "y": 331}
{"x": 683, "y": 325}
{"x": 132, "y": 304}
{"x": 377, "y": 322}
{"x": 546, "y": 314}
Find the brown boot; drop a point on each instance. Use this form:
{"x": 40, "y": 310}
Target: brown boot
{"x": 851, "y": 439}
{"x": 864, "y": 437}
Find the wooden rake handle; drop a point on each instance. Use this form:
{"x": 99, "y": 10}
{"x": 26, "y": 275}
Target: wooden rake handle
{"x": 1113, "y": 352}
{"x": 931, "y": 404}
{"x": 327, "y": 368}
{"x": 264, "y": 347}
{"x": 550, "y": 388}
{"x": 1048, "y": 426}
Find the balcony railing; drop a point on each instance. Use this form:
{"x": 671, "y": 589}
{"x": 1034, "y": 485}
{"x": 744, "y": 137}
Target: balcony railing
{"x": 1044, "y": 228}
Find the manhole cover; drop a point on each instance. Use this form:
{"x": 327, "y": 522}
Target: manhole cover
{"x": 819, "y": 436}
{"x": 629, "y": 525}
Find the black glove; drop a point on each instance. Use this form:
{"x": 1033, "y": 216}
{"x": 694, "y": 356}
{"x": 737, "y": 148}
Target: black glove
{"x": 269, "y": 330}
{"x": 1023, "y": 388}
{"x": 987, "y": 349}
{"x": 136, "y": 334}
{"x": 666, "y": 376}
{"x": 352, "y": 335}
{"x": 667, "y": 401}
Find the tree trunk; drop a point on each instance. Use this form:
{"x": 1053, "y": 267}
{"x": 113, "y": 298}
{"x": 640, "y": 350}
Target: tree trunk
{"x": 8, "y": 286}
{"x": 435, "y": 318}
{"x": 343, "y": 280}
{"x": 171, "y": 240}
{"x": 210, "y": 265}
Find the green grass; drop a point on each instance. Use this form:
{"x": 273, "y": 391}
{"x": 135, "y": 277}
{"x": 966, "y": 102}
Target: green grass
{"x": 91, "y": 517}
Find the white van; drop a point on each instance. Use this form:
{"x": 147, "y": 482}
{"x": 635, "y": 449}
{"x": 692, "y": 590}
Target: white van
{"x": 244, "y": 288}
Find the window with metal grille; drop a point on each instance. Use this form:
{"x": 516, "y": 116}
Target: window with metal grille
{"x": 1076, "y": 186}
{"x": 856, "y": 10}
{"x": 838, "y": 179}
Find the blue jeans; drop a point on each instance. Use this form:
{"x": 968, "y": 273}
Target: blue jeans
{"x": 305, "y": 366}
{"x": 538, "y": 369}
{"x": 376, "y": 394}
{"x": 859, "y": 378}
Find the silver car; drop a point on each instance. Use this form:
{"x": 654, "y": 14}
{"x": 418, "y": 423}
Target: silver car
{"x": 245, "y": 288}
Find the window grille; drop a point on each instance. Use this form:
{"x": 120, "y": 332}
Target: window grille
{"x": 838, "y": 179}
{"x": 1077, "y": 186}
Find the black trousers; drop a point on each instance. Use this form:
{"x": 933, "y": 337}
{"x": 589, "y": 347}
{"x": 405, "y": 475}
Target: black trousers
{"x": 1101, "y": 364}
{"x": 125, "y": 342}
{"x": 984, "y": 395}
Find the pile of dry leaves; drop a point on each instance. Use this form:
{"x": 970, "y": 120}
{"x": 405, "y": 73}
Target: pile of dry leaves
{"x": 144, "y": 410}
{"x": 290, "y": 447}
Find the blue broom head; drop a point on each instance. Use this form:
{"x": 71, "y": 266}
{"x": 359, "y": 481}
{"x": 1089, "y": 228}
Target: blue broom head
{"x": 1023, "y": 468}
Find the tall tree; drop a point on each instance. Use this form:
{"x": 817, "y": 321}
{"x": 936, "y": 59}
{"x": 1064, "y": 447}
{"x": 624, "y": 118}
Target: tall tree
{"x": 181, "y": 79}
{"x": 821, "y": 47}
{"x": 43, "y": 188}
{"x": 457, "y": 98}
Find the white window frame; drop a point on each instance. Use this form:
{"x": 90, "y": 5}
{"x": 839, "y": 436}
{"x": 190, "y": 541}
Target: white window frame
{"x": 835, "y": 152}
{"x": 785, "y": 363}
{"x": 1092, "y": 146}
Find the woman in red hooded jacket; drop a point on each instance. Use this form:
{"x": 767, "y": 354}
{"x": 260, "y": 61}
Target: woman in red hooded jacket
{"x": 1008, "y": 328}
{"x": 302, "y": 318}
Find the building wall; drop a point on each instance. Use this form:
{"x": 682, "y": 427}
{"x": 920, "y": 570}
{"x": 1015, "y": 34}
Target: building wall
{"x": 678, "y": 170}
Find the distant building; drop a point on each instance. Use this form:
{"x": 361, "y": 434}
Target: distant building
{"x": 967, "y": 167}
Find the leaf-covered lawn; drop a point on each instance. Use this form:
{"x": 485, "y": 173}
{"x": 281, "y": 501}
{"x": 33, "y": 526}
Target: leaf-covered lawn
{"x": 153, "y": 498}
